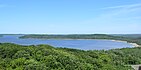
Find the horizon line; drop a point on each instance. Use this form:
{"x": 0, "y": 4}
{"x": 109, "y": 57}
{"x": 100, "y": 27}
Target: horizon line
{"x": 59, "y": 34}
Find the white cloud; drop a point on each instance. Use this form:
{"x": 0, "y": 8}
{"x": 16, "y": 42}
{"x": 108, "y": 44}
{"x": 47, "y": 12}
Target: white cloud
{"x": 124, "y": 6}
{"x": 119, "y": 14}
{"x": 123, "y": 18}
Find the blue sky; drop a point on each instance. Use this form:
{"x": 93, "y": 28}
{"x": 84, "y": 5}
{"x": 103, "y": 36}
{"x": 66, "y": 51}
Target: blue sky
{"x": 70, "y": 16}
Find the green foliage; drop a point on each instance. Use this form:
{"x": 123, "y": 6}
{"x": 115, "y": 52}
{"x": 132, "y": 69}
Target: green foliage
{"x": 45, "y": 57}
{"x": 126, "y": 56}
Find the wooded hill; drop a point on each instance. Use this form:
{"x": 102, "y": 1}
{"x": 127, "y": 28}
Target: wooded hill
{"x": 45, "y": 57}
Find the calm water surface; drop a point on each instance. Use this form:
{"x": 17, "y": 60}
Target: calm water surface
{"x": 77, "y": 44}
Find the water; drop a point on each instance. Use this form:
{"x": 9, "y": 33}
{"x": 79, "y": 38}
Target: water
{"x": 76, "y": 44}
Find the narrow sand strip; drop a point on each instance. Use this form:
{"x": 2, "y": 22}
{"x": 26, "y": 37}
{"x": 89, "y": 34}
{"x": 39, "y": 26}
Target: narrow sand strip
{"x": 134, "y": 44}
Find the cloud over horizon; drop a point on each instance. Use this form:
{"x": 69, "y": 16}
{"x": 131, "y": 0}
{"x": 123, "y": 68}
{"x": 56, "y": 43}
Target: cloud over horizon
{"x": 118, "y": 17}
{"x": 124, "y": 6}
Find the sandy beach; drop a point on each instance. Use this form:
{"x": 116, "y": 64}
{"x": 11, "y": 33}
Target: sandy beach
{"x": 134, "y": 44}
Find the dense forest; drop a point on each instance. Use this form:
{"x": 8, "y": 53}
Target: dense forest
{"x": 46, "y": 57}
{"x": 132, "y": 38}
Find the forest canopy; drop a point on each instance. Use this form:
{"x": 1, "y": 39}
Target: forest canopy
{"x": 46, "y": 57}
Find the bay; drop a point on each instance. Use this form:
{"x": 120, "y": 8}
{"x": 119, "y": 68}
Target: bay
{"x": 76, "y": 44}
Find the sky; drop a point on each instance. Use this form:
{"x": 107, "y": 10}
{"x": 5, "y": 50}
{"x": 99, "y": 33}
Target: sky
{"x": 70, "y": 16}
